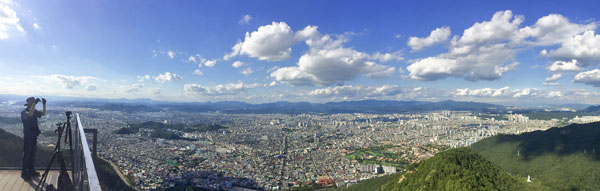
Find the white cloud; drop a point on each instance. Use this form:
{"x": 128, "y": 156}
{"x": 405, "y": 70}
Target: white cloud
{"x": 328, "y": 62}
{"x": 558, "y": 66}
{"x": 90, "y": 87}
{"x": 36, "y": 26}
{"x": 436, "y": 36}
{"x": 293, "y": 76}
{"x": 270, "y": 42}
{"x": 247, "y": 71}
{"x": 167, "y": 77}
{"x": 481, "y": 53}
{"x": 550, "y": 83}
{"x": 331, "y": 66}
{"x": 198, "y": 59}
{"x": 192, "y": 59}
{"x": 591, "y": 77}
{"x": 553, "y": 94}
{"x": 484, "y": 92}
{"x": 504, "y": 92}
{"x": 553, "y": 78}
{"x": 210, "y": 63}
{"x": 221, "y": 89}
{"x": 374, "y": 70}
{"x": 345, "y": 91}
{"x": 69, "y": 82}
{"x": 9, "y": 22}
{"x": 584, "y": 48}
{"x": 143, "y": 78}
{"x": 235, "y": 50}
{"x": 509, "y": 94}
{"x": 553, "y": 29}
{"x": 198, "y": 72}
{"x": 433, "y": 68}
{"x": 132, "y": 88}
{"x": 237, "y": 64}
{"x": 171, "y": 54}
{"x": 523, "y": 92}
{"x": 386, "y": 57}
{"x": 245, "y": 19}
{"x": 357, "y": 92}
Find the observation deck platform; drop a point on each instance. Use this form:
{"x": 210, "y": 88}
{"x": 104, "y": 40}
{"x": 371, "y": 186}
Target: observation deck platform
{"x": 10, "y": 180}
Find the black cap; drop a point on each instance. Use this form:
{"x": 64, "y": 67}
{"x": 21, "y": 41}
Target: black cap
{"x": 29, "y": 101}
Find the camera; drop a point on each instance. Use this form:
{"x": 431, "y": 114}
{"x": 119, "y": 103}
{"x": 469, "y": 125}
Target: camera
{"x": 37, "y": 100}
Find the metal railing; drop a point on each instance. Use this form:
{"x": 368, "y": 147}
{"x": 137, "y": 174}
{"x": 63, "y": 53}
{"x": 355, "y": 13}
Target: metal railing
{"x": 83, "y": 172}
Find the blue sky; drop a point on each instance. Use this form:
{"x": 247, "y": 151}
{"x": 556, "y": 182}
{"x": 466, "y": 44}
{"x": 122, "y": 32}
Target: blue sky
{"x": 314, "y": 51}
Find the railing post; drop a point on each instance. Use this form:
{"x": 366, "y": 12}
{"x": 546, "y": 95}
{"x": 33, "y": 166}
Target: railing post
{"x": 94, "y": 141}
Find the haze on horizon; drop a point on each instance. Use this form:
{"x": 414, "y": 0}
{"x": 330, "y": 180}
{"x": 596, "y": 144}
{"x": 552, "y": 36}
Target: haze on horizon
{"x": 498, "y": 52}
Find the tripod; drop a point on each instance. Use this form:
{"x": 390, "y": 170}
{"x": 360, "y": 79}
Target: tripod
{"x": 64, "y": 182}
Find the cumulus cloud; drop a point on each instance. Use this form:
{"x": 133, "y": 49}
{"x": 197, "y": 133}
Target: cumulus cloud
{"x": 270, "y": 42}
{"x": 331, "y": 66}
{"x": 9, "y": 22}
{"x": 584, "y": 48}
{"x": 221, "y": 89}
{"x": 171, "y": 54}
{"x": 559, "y": 66}
{"x": 553, "y": 94}
{"x": 481, "y": 53}
{"x": 143, "y": 78}
{"x": 237, "y": 64}
{"x": 247, "y": 71}
{"x": 198, "y": 72}
{"x": 198, "y": 59}
{"x": 386, "y": 57}
{"x": 553, "y": 78}
{"x": 192, "y": 59}
{"x": 167, "y": 77}
{"x": 245, "y": 19}
{"x": 553, "y": 29}
{"x": 436, "y": 36}
{"x": 328, "y": 62}
{"x": 69, "y": 82}
{"x": 484, "y": 50}
{"x": 210, "y": 63}
{"x": 132, "y": 88}
{"x": 348, "y": 92}
{"x": 496, "y": 92}
{"x": 591, "y": 77}
{"x": 36, "y": 26}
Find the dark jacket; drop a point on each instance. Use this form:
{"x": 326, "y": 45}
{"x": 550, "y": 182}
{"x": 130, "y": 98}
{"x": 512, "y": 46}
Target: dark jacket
{"x": 30, "y": 124}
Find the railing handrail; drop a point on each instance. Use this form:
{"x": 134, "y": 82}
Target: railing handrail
{"x": 92, "y": 177}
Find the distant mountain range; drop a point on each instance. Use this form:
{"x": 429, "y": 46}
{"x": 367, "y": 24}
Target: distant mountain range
{"x": 237, "y": 107}
{"x": 233, "y": 107}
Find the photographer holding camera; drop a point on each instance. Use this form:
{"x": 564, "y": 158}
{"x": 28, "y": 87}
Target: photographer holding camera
{"x": 31, "y": 130}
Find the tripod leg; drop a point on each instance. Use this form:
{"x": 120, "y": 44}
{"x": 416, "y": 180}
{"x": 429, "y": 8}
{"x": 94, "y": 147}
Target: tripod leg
{"x": 45, "y": 175}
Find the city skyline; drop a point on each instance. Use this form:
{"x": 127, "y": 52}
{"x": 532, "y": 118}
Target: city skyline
{"x": 302, "y": 51}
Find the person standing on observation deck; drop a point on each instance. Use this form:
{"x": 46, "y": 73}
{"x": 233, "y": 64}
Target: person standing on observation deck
{"x": 31, "y": 130}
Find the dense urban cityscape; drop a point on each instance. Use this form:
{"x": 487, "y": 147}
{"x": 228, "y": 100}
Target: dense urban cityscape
{"x": 280, "y": 151}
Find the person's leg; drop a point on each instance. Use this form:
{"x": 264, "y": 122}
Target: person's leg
{"x": 33, "y": 155}
{"x": 26, "y": 156}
